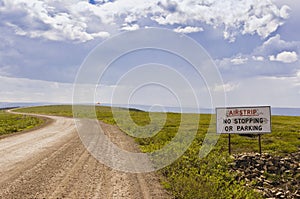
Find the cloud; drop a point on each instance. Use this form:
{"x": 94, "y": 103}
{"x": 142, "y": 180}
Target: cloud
{"x": 285, "y": 57}
{"x": 275, "y": 45}
{"x": 40, "y": 59}
{"x": 239, "y": 17}
{"x": 260, "y": 91}
{"x": 258, "y": 58}
{"x": 227, "y": 87}
{"x": 239, "y": 60}
{"x": 254, "y": 67}
{"x": 50, "y": 20}
{"x": 82, "y": 21}
{"x": 266, "y": 22}
{"x": 48, "y": 40}
{"x": 130, "y": 27}
{"x": 285, "y": 11}
{"x": 273, "y": 58}
{"x": 188, "y": 29}
{"x": 26, "y": 90}
{"x": 170, "y": 6}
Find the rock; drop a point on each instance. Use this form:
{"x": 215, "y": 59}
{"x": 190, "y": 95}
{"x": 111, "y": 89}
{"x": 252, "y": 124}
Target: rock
{"x": 287, "y": 171}
{"x": 232, "y": 164}
{"x": 270, "y": 163}
{"x": 247, "y": 171}
{"x": 273, "y": 191}
{"x": 282, "y": 168}
{"x": 275, "y": 177}
{"x": 278, "y": 194}
{"x": 266, "y": 184}
{"x": 287, "y": 192}
{"x": 272, "y": 169}
{"x": 265, "y": 168}
{"x": 260, "y": 162}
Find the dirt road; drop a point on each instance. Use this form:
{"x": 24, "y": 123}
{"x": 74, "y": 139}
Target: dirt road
{"x": 51, "y": 162}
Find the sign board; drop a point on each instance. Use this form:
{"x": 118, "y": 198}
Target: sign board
{"x": 244, "y": 120}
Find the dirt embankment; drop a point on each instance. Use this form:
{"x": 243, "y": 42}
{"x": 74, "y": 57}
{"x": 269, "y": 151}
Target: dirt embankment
{"x": 51, "y": 162}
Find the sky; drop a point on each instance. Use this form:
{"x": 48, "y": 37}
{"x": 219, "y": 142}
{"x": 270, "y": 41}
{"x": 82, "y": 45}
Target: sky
{"x": 253, "y": 44}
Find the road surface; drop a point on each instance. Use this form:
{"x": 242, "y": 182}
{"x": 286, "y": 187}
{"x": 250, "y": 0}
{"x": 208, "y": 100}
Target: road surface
{"x": 51, "y": 162}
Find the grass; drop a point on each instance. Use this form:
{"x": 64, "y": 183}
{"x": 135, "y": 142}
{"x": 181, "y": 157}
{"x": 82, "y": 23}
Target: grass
{"x": 12, "y": 123}
{"x": 61, "y": 110}
{"x": 191, "y": 176}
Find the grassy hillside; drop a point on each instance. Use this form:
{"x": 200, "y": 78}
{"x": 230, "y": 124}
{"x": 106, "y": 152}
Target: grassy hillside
{"x": 11, "y": 123}
{"x": 190, "y": 176}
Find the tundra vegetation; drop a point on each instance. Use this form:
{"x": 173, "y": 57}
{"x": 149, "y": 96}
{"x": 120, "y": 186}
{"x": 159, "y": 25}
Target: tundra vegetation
{"x": 13, "y": 123}
{"x": 191, "y": 176}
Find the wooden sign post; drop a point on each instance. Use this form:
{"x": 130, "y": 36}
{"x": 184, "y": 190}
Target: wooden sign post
{"x": 244, "y": 120}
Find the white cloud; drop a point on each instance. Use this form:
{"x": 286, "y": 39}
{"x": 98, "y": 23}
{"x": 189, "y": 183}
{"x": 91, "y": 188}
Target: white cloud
{"x": 270, "y": 60}
{"x": 81, "y": 21}
{"x": 130, "y": 27}
{"x": 188, "y": 29}
{"x": 256, "y": 91}
{"x": 258, "y": 58}
{"x": 53, "y": 20}
{"x": 275, "y": 45}
{"x": 285, "y": 11}
{"x": 285, "y": 57}
{"x": 17, "y": 30}
{"x": 227, "y": 87}
{"x": 239, "y": 60}
{"x": 26, "y": 90}
{"x": 274, "y": 91}
{"x": 268, "y": 66}
{"x": 101, "y": 34}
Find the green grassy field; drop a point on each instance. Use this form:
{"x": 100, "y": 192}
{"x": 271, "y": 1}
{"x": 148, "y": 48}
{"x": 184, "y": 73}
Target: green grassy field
{"x": 12, "y": 123}
{"x": 191, "y": 176}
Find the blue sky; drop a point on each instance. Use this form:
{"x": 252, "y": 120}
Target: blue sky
{"x": 254, "y": 44}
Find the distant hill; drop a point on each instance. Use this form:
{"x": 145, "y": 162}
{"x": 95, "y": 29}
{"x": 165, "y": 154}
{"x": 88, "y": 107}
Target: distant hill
{"x": 137, "y": 107}
{"x": 6, "y": 105}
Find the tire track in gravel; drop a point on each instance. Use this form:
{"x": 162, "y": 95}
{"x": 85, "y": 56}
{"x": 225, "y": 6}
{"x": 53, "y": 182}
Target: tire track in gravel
{"x": 144, "y": 180}
{"x": 51, "y": 162}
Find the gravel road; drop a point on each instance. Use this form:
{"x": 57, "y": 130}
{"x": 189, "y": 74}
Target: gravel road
{"x": 51, "y": 162}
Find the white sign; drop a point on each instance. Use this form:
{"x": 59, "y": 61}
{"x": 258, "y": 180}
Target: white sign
{"x": 244, "y": 120}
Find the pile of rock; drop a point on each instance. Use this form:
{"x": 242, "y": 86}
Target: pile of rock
{"x": 273, "y": 176}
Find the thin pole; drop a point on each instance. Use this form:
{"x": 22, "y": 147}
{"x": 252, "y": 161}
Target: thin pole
{"x": 259, "y": 143}
{"x": 229, "y": 147}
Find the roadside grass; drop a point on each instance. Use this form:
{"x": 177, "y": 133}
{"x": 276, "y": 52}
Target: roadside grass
{"x": 67, "y": 111}
{"x": 12, "y": 123}
{"x": 59, "y": 110}
{"x": 191, "y": 176}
